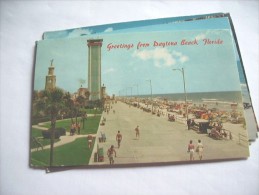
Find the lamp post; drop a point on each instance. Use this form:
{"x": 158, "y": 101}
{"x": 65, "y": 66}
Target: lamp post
{"x": 130, "y": 91}
{"x": 130, "y": 98}
{"x": 125, "y": 94}
{"x": 137, "y": 93}
{"x": 185, "y": 94}
{"x": 137, "y": 89}
{"x": 151, "y": 96}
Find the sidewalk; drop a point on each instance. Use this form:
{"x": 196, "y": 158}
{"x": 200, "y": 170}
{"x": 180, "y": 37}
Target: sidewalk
{"x": 160, "y": 140}
{"x": 63, "y": 139}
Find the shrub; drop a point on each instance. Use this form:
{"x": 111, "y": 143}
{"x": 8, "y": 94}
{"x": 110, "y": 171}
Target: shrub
{"x": 47, "y": 134}
{"x": 61, "y": 130}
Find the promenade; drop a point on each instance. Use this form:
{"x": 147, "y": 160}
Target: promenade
{"x": 160, "y": 140}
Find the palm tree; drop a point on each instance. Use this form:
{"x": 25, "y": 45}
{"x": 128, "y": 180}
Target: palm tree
{"x": 69, "y": 103}
{"x": 80, "y": 103}
{"x": 52, "y": 103}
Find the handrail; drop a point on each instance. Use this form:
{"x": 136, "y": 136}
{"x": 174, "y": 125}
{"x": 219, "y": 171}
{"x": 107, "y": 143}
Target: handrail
{"x": 242, "y": 138}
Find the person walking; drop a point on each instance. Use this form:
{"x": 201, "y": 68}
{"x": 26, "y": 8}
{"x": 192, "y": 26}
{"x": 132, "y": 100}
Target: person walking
{"x": 191, "y": 150}
{"x": 111, "y": 153}
{"x": 78, "y": 128}
{"x": 72, "y": 128}
{"x": 119, "y": 138}
{"x": 90, "y": 140}
{"x": 137, "y": 131}
{"x": 189, "y": 123}
{"x": 199, "y": 149}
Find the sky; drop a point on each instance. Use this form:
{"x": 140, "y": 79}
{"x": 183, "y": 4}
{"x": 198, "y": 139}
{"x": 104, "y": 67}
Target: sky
{"x": 206, "y": 67}
{"x": 160, "y": 23}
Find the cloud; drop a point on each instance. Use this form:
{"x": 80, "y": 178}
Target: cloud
{"x": 110, "y": 29}
{"x": 109, "y": 70}
{"x": 204, "y": 35}
{"x": 161, "y": 57}
{"x": 79, "y": 32}
{"x": 201, "y": 36}
{"x": 183, "y": 59}
{"x": 180, "y": 57}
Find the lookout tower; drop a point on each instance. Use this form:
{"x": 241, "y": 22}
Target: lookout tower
{"x": 94, "y": 68}
{"x": 50, "y": 83}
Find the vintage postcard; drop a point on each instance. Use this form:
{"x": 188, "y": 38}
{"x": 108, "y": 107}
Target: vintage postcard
{"x": 197, "y": 22}
{"x": 133, "y": 99}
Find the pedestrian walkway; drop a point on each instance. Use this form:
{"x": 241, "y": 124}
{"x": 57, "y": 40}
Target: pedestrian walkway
{"x": 160, "y": 140}
{"x": 40, "y": 127}
{"x": 63, "y": 139}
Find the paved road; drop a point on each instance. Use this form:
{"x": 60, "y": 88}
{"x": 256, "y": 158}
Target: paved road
{"x": 160, "y": 140}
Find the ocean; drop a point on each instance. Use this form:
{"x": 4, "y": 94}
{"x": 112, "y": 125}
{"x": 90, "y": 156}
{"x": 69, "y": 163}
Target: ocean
{"x": 226, "y": 96}
{"x": 220, "y": 100}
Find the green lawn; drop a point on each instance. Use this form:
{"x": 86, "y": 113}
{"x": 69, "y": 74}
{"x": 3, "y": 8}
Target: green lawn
{"x": 75, "y": 153}
{"x": 37, "y": 134}
{"x": 91, "y": 124}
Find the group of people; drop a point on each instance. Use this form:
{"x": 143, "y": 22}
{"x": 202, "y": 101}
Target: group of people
{"x": 75, "y": 127}
{"x": 111, "y": 153}
{"x": 190, "y": 123}
{"x": 159, "y": 113}
{"x": 218, "y": 132}
{"x": 107, "y": 110}
{"x": 198, "y": 149}
{"x": 171, "y": 117}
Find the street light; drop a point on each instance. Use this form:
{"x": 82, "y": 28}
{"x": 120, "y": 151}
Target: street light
{"x": 126, "y": 95}
{"x": 137, "y": 93}
{"x": 185, "y": 94}
{"x": 137, "y": 89}
{"x": 151, "y": 96}
{"x": 130, "y": 94}
{"x": 126, "y": 92}
{"x": 130, "y": 91}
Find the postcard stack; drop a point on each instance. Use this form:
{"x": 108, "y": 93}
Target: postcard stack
{"x": 142, "y": 93}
